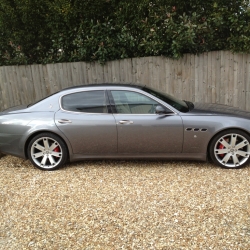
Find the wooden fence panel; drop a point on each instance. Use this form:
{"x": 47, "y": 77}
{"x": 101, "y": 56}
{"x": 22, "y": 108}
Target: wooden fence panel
{"x": 4, "y": 89}
{"x": 218, "y": 77}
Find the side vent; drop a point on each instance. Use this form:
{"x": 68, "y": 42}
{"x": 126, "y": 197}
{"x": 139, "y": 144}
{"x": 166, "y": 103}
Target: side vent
{"x": 196, "y": 129}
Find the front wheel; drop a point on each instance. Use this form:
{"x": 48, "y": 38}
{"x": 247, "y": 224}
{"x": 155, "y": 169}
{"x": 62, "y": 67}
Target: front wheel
{"x": 230, "y": 149}
{"x": 47, "y": 151}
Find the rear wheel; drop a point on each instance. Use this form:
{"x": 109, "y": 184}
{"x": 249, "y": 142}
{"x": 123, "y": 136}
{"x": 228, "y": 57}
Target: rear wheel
{"x": 230, "y": 149}
{"x": 47, "y": 151}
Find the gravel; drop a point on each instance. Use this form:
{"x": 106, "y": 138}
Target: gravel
{"x": 124, "y": 205}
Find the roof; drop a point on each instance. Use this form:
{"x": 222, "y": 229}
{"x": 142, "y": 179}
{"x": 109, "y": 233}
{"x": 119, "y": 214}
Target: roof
{"x": 138, "y": 86}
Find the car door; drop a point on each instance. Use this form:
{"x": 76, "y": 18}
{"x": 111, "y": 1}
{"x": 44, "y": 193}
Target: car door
{"x": 140, "y": 130}
{"x": 85, "y": 121}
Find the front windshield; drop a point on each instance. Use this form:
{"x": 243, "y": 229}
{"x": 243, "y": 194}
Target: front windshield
{"x": 172, "y": 101}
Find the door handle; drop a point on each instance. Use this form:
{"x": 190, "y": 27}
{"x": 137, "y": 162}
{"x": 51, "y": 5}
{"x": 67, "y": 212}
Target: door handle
{"x": 126, "y": 122}
{"x": 64, "y": 121}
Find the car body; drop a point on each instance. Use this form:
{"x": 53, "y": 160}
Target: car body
{"x": 124, "y": 121}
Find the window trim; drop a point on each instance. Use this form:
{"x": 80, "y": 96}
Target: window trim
{"x": 112, "y": 102}
{"x": 80, "y": 91}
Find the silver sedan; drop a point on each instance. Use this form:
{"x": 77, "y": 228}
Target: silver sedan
{"x": 123, "y": 121}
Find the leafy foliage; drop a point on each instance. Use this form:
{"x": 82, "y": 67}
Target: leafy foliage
{"x": 35, "y": 31}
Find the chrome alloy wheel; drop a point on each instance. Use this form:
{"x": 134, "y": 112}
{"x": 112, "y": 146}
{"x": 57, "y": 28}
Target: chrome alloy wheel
{"x": 46, "y": 152}
{"x": 232, "y": 150}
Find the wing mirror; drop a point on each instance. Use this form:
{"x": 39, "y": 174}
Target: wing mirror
{"x": 160, "y": 110}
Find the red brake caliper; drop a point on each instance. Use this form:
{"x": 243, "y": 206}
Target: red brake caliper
{"x": 57, "y": 149}
{"x": 221, "y": 147}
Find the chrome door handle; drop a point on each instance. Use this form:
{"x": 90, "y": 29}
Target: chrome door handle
{"x": 126, "y": 122}
{"x": 64, "y": 121}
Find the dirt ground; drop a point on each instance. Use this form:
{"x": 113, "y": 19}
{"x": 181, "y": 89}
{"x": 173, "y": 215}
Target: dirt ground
{"x": 124, "y": 205}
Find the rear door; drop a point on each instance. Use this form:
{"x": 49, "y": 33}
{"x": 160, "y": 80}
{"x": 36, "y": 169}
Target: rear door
{"x": 86, "y": 122}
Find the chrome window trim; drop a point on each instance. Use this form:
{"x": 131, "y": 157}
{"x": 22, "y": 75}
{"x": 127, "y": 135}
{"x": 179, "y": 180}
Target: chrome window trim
{"x": 75, "y": 112}
{"x": 122, "y": 88}
{"x": 148, "y": 95}
{"x": 146, "y": 114}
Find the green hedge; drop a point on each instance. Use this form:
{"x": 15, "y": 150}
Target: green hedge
{"x": 47, "y": 31}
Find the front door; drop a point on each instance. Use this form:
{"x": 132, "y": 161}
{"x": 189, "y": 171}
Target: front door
{"x": 140, "y": 130}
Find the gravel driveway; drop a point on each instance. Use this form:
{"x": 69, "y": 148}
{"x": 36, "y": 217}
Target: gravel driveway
{"x": 124, "y": 205}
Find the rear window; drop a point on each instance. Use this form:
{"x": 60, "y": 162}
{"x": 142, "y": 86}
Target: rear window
{"x": 86, "y": 101}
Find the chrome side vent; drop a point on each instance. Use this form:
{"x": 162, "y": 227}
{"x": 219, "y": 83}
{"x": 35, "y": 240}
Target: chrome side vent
{"x": 197, "y": 129}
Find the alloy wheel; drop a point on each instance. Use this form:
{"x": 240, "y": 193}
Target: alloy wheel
{"x": 232, "y": 150}
{"x": 46, "y": 153}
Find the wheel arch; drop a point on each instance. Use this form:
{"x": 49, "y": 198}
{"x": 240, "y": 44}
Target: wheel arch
{"x": 31, "y": 136}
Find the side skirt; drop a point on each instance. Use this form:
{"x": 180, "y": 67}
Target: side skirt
{"x": 179, "y": 156}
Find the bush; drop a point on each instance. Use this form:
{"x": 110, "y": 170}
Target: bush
{"x": 35, "y": 31}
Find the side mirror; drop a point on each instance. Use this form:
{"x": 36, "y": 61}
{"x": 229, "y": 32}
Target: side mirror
{"x": 160, "y": 110}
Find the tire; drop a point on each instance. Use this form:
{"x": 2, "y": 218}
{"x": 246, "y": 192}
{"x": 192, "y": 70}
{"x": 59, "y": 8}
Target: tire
{"x": 230, "y": 149}
{"x": 47, "y": 151}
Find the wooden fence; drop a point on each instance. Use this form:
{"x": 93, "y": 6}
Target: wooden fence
{"x": 218, "y": 77}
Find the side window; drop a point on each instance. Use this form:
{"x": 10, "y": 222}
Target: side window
{"x": 128, "y": 102}
{"x": 85, "y": 101}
